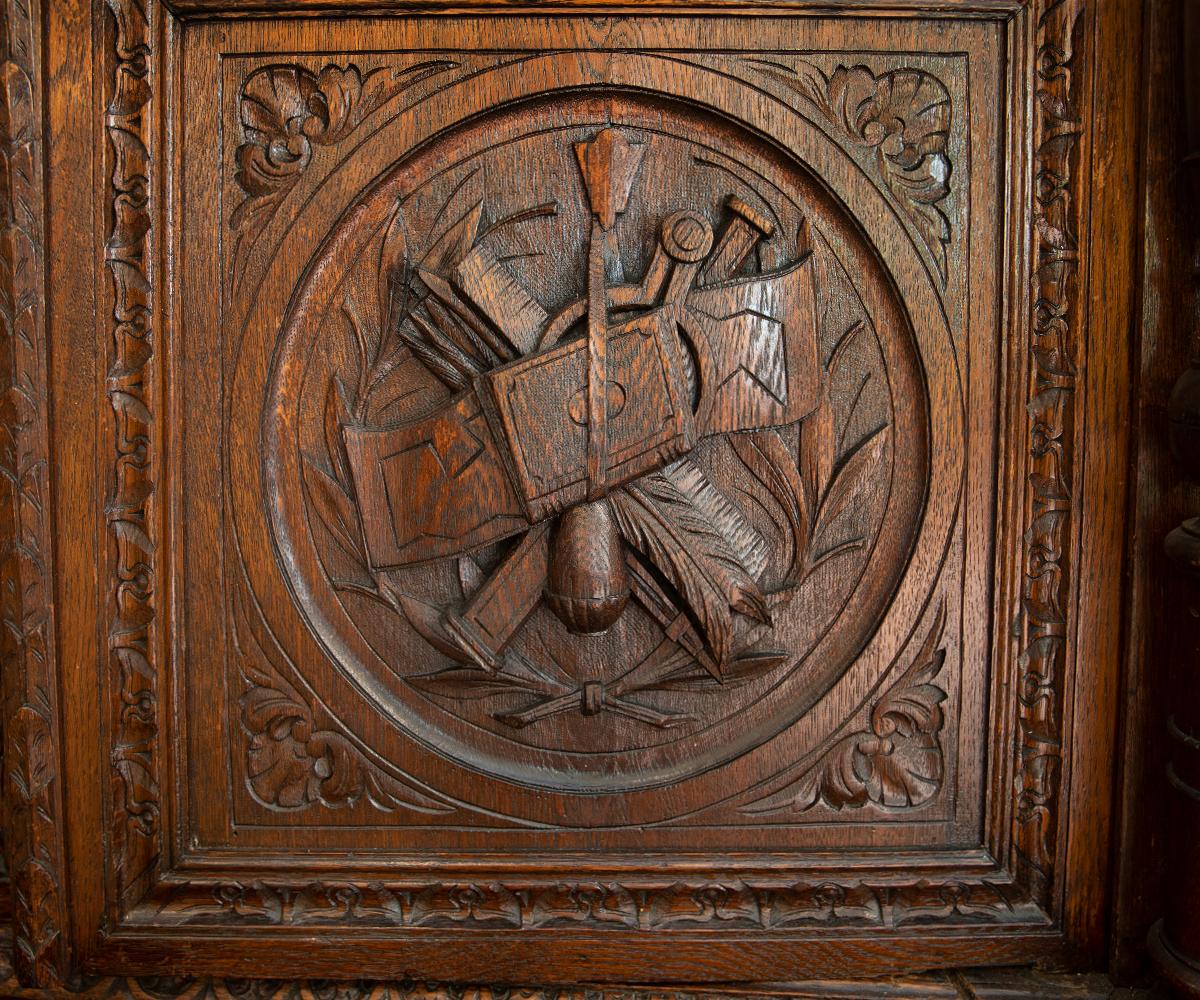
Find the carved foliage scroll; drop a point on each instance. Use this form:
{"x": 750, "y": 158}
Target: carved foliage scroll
{"x": 131, "y": 506}
{"x": 765, "y": 904}
{"x": 292, "y": 761}
{"x": 31, "y": 789}
{"x": 897, "y": 761}
{"x": 286, "y": 110}
{"x": 1046, "y": 583}
{"x": 904, "y": 117}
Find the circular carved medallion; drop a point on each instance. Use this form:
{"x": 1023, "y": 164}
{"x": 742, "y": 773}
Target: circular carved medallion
{"x": 596, "y": 444}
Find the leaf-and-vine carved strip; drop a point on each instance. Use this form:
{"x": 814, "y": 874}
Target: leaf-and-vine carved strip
{"x": 31, "y": 787}
{"x": 1046, "y": 581}
{"x": 633, "y": 904}
{"x": 131, "y": 505}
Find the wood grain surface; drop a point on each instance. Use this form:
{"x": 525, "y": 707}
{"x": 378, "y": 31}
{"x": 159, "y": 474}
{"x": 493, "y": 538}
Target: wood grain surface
{"x": 564, "y": 494}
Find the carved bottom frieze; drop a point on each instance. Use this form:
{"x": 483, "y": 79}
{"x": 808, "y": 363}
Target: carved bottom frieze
{"x": 760, "y": 904}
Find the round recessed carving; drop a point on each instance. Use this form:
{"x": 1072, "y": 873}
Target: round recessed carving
{"x": 595, "y": 447}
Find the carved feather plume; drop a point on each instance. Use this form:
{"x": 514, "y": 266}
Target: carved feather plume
{"x": 747, "y": 543}
{"x": 661, "y": 521}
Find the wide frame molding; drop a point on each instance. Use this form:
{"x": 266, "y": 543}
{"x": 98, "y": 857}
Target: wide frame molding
{"x": 94, "y": 291}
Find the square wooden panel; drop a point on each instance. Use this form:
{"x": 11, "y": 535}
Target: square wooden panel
{"x": 844, "y": 518}
{"x": 566, "y": 495}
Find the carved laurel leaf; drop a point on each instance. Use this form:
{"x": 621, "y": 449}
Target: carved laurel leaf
{"x": 744, "y": 668}
{"x": 850, "y": 474}
{"x": 462, "y": 683}
{"x": 336, "y": 509}
{"x": 31, "y": 769}
{"x": 818, "y": 447}
{"x": 427, "y": 621}
{"x": 768, "y": 458}
{"x": 897, "y": 763}
{"x": 472, "y": 683}
{"x": 813, "y": 494}
{"x": 394, "y": 274}
{"x": 337, "y": 415}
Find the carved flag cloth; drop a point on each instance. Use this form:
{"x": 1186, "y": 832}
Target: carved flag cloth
{"x": 511, "y": 450}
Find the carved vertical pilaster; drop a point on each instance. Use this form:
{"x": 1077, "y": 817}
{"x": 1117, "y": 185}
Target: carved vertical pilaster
{"x": 132, "y": 498}
{"x": 1175, "y": 941}
{"x": 31, "y": 785}
{"x": 1055, "y": 346}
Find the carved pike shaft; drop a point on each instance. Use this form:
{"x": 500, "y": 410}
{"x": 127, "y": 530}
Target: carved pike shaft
{"x": 511, "y": 451}
{"x": 558, "y": 428}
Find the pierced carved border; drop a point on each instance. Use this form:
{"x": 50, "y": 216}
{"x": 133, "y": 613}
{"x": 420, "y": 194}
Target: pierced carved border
{"x": 33, "y": 830}
{"x": 132, "y": 502}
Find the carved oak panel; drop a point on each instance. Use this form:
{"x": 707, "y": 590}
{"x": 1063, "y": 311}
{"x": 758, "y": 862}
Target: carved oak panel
{"x": 589, "y": 601}
{"x": 474, "y": 568}
{"x": 592, "y": 430}
{"x": 584, "y": 494}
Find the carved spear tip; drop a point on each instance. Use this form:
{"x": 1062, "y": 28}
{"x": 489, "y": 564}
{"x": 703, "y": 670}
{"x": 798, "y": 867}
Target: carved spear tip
{"x": 609, "y": 163}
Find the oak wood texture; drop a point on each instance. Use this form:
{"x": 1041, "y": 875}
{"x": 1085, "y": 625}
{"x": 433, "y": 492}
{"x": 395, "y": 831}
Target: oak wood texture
{"x": 31, "y": 786}
{"x": 979, "y": 984}
{"x": 552, "y": 496}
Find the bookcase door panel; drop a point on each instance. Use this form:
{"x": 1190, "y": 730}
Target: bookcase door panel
{"x": 580, "y": 494}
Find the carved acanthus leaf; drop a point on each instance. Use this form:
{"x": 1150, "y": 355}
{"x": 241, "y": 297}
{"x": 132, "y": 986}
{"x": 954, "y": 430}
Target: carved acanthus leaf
{"x": 903, "y": 115}
{"x": 286, "y": 110}
{"x": 896, "y": 762}
{"x": 291, "y": 761}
